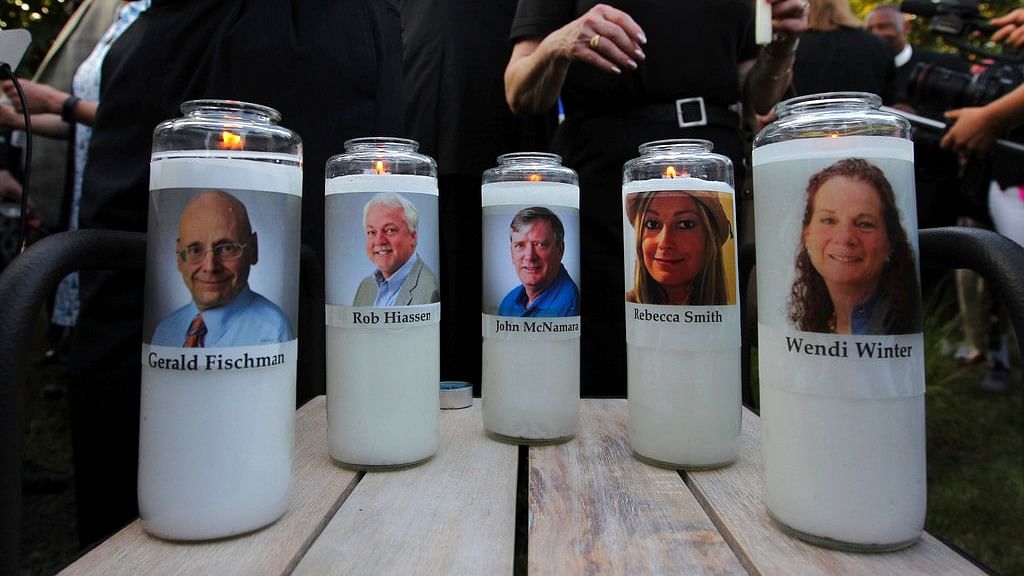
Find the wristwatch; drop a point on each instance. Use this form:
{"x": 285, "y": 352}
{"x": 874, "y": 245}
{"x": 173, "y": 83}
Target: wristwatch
{"x": 67, "y": 110}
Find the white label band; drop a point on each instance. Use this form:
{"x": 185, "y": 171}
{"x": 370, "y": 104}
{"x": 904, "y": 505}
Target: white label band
{"x": 394, "y": 318}
{"x": 510, "y": 328}
{"x": 221, "y": 359}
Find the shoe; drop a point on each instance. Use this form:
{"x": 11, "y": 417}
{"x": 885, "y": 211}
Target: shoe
{"x": 997, "y": 379}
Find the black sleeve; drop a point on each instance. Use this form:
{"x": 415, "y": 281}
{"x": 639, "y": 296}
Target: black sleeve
{"x": 538, "y": 18}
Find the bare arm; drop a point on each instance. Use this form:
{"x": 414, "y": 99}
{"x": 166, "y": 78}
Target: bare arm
{"x": 975, "y": 129}
{"x": 49, "y": 125}
{"x": 604, "y": 37}
{"x": 43, "y": 99}
{"x": 765, "y": 79}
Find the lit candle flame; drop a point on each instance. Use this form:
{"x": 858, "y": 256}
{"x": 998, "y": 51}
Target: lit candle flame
{"x": 670, "y": 172}
{"x": 379, "y": 167}
{"x": 230, "y": 141}
{"x": 534, "y": 177}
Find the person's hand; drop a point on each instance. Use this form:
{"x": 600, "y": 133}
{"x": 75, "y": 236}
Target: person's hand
{"x": 11, "y": 118}
{"x": 604, "y": 37}
{"x": 40, "y": 97}
{"x": 789, "y": 17}
{"x": 10, "y": 189}
{"x": 1011, "y": 29}
{"x": 974, "y": 130}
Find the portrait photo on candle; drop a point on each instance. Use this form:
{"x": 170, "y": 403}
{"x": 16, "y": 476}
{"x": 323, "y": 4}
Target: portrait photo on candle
{"x": 531, "y": 261}
{"x": 683, "y": 248}
{"x": 856, "y": 270}
{"x": 216, "y": 268}
{"x": 383, "y": 249}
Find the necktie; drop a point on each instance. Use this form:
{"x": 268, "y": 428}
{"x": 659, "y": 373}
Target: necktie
{"x": 196, "y": 331}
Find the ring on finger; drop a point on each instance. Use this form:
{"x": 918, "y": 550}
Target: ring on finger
{"x": 595, "y": 40}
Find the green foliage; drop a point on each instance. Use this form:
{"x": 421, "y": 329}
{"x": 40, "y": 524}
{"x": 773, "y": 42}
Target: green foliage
{"x": 43, "y": 18}
{"x": 921, "y": 37}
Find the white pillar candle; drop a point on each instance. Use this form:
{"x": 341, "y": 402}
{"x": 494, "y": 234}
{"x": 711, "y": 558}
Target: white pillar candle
{"x": 530, "y": 387}
{"x": 216, "y": 438}
{"x": 683, "y": 361}
{"x": 383, "y": 363}
{"x": 842, "y": 415}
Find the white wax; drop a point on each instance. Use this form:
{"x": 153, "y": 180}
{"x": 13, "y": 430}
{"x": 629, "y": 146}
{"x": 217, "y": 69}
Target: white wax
{"x": 684, "y": 407}
{"x": 850, "y": 470}
{"x": 357, "y": 183}
{"x": 531, "y": 388}
{"x": 227, "y": 170}
{"x": 530, "y": 193}
{"x": 383, "y": 397}
{"x": 215, "y": 450}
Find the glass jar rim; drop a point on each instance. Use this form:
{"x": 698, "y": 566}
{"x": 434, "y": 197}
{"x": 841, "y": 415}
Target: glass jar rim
{"x": 192, "y": 106}
{"x": 542, "y": 157}
{"x": 382, "y": 142}
{"x": 658, "y": 145}
{"x": 823, "y": 99}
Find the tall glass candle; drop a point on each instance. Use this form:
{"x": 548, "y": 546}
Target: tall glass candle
{"x": 682, "y": 316}
{"x": 531, "y": 318}
{"x": 841, "y": 352}
{"x": 216, "y": 438}
{"x": 383, "y": 305}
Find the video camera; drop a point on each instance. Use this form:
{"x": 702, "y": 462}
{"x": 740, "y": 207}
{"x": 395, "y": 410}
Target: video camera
{"x": 956, "y": 22}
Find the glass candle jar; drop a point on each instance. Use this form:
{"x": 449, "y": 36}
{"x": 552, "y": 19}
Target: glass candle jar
{"x": 217, "y": 426}
{"x": 383, "y": 304}
{"x": 531, "y": 299}
{"x": 840, "y": 354}
{"x": 682, "y": 315}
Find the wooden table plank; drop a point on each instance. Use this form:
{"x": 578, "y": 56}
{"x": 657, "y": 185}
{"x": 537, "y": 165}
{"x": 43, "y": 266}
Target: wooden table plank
{"x": 454, "y": 514}
{"x": 319, "y": 488}
{"x": 734, "y": 493}
{"x": 595, "y": 509}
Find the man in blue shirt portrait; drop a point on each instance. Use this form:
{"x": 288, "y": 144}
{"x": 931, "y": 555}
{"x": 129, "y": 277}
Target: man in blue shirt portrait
{"x": 401, "y": 278}
{"x": 215, "y": 249}
{"x": 538, "y": 244}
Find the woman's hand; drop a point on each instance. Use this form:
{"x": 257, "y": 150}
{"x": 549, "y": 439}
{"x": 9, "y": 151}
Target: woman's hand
{"x": 1011, "y": 29}
{"x": 11, "y": 118}
{"x": 974, "y": 130}
{"x": 605, "y": 38}
{"x": 789, "y": 17}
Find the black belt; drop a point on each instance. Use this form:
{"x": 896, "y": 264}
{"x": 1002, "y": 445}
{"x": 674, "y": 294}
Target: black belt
{"x": 684, "y": 112}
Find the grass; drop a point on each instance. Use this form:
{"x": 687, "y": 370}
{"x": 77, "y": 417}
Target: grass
{"x": 975, "y": 452}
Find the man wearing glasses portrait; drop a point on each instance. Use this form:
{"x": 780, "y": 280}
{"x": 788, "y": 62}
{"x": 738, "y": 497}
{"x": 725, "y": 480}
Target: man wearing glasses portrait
{"x": 216, "y": 246}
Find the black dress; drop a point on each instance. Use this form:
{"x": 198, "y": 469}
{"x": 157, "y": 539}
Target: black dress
{"x": 847, "y": 59}
{"x": 333, "y": 70}
{"x": 455, "y": 57}
{"x": 693, "y": 50}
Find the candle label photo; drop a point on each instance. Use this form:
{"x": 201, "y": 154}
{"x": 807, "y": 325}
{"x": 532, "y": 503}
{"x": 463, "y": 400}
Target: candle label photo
{"x": 382, "y": 239}
{"x": 222, "y": 260}
{"x": 531, "y": 271}
{"x": 679, "y": 252}
{"x": 839, "y": 291}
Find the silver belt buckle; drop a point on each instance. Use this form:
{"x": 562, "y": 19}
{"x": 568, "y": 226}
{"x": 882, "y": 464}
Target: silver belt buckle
{"x": 683, "y": 123}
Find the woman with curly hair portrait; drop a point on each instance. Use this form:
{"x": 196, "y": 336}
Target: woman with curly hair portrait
{"x": 855, "y": 272}
{"x": 679, "y": 238}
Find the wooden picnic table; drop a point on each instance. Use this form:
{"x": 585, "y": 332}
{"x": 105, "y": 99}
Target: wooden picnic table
{"x": 592, "y": 508}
